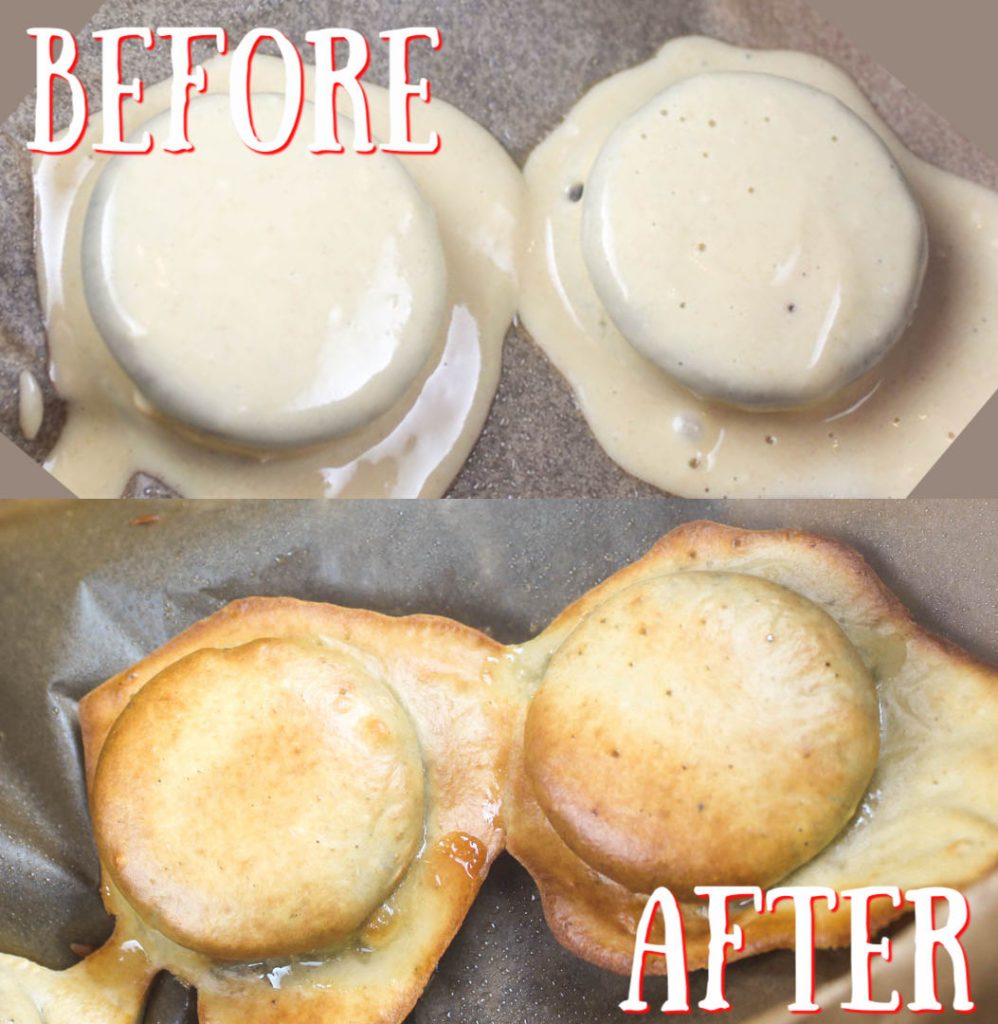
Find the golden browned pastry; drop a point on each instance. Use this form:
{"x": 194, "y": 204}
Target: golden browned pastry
{"x": 294, "y": 806}
{"x": 744, "y": 708}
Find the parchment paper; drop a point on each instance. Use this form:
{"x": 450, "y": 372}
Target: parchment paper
{"x": 517, "y": 67}
{"x": 86, "y": 589}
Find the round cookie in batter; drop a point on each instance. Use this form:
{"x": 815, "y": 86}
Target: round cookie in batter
{"x": 260, "y": 801}
{"x": 702, "y": 728}
{"x": 754, "y": 239}
{"x": 875, "y": 437}
{"x": 397, "y": 422}
{"x": 265, "y": 302}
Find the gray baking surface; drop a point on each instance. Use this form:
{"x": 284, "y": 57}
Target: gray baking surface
{"x": 516, "y": 66}
{"x": 85, "y": 591}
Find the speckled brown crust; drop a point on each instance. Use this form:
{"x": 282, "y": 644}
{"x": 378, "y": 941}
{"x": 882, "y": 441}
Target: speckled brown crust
{"x": 276, "y": 757}
{"x": 440, "y": 673}
{"x": 939, "y": 709}
{"x": 930, "y": 815}
{"x": 702, "y": 728}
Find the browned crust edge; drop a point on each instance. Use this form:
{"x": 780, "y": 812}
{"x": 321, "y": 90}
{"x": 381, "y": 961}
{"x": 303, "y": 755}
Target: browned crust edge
{"x": 451, "y": 647}
{"x": 703, "y": 541}
{"x": 100, "y": 708}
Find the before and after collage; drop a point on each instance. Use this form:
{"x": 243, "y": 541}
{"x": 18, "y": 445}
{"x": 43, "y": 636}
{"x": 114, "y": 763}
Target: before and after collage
{"x": 499, "y": 513}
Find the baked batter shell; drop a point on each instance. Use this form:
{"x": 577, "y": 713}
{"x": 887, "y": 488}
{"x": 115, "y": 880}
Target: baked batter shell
{"x": 928, "y": 818}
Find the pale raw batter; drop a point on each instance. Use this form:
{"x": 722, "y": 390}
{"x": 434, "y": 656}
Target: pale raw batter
{"x": 876, "y": 437}
{"x": 268, "y": 301}
{"x": 30, "y": 405}
{"x": 760, "y": 296}
{"x": 414, "y": 447}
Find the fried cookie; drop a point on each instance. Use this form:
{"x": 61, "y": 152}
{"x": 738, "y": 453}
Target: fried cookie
{"x": 744, "y": 708}
{"x": 294, "y": 806}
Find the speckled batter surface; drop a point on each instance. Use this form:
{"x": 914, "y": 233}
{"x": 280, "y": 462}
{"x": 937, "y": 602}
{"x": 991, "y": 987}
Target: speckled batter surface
{"x": 517, "y": 68}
